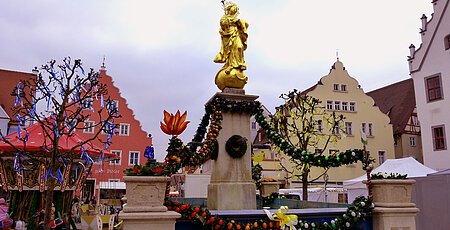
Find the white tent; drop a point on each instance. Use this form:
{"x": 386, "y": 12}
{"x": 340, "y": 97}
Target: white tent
{"x": 409, "y": 166}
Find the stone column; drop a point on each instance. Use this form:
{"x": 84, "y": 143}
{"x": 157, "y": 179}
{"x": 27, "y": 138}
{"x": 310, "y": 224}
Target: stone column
{"x": 393, "y": 208}
{"x": 144, "y": 208}
{"x": 231, "y": 186}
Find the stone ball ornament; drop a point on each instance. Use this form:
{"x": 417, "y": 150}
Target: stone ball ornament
{"x": 236, "y": 146}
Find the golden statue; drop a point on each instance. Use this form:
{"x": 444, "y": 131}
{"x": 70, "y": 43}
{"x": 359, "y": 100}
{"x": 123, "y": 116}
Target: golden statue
{"x": 233, "y": 32}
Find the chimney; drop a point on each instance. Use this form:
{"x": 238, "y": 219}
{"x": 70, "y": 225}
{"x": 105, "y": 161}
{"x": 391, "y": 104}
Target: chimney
{"x": 412, "y": 50}
{"x": 424, "y": 23}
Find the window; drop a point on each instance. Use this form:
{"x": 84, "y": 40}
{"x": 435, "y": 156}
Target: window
{"x": 447, "y": 42}
{"x": 112, "y": 106}
{"x": 119, "y": 155}
{"x": 344, "y": 105}
{"x": 336, "y": 130}
{"x": 352, "y": 106}
{"x": 344, "y": 88}
{"x": 336, "y": 87}
{"x": 253, "y": 124}
{"x": 439, "y": 138}
{"x": 124, "y": 129}
{"x": 348, "y": 128}
{"x": 330, "y": 105}
{"x": 381, "y": 157}
{"x": 363, "y": 127}
{"x": 88, "y": 127}
{"x": 337, "y": 105}
{"x": 370, "y": 130}
{"x": 113, "y": 180}
{"x": 412, "y": 141}
{"x": 342, "y": 198}
{"x": 319, "y": 126}
{"x": 87, "y": 103}
{"x": 134, "y": 158}
{"x": 434, "y": 89}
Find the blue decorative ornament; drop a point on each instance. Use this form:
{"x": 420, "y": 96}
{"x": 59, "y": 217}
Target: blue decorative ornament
{"x": 149, "y": 152}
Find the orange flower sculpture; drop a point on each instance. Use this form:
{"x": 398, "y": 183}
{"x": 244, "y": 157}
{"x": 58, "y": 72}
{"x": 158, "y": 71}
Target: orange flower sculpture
{"x": 174, "y": 124}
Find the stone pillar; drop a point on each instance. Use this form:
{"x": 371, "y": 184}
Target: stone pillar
{"x": 144, "y": 208}
{"x": 231, "y": 186}
{"x": 393, "y": 208}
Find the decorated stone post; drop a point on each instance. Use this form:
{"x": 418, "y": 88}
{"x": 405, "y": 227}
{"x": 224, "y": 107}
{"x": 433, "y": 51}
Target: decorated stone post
{"x": 231, "y": 185}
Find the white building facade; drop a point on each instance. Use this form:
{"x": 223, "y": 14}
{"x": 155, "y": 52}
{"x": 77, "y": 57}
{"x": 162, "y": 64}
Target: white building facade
{"x": 429, "y": 67}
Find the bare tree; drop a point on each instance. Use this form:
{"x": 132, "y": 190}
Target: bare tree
{"x": 64, "y": 91}
{"x": 304, "y": 122}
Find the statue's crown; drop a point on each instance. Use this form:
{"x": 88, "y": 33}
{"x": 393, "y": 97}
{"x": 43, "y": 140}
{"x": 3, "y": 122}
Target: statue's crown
{"x": 227, "y": 4}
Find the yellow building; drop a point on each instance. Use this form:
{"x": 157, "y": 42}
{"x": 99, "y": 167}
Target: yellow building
{"x": 340, "y": 93}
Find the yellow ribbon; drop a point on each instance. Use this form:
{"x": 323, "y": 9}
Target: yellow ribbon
{"x": 283, "y": 218}
{"x": 258, "y": 158}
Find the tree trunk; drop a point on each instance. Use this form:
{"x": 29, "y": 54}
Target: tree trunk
{"x": 305, "y": 185}
{"x": 48, "y": 203}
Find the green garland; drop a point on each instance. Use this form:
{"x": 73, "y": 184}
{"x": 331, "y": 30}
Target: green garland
{"x": 357, "y": 211}
{"x": 395, "y": 176}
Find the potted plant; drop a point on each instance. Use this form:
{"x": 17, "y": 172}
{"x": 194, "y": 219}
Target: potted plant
{"x": 146, "y": 184}
{"x": 391, "y": 190}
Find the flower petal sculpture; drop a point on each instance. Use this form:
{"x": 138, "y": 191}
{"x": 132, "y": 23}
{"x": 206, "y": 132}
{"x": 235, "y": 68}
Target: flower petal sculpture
{"x": 174, "y": 124}
{"x": 284, "y": 219}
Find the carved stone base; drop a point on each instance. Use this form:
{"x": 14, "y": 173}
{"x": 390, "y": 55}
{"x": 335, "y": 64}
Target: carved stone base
{"x": 145, "y": 193}
{"x": 268, "y": 188}
{"x": 394, "y": 218}
{"x": 149, "y": 220}
{"x": 232, "y": 196}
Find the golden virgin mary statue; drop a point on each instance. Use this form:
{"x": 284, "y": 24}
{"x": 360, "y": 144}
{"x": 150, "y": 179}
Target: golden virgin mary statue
{"x": 233, "y": 32}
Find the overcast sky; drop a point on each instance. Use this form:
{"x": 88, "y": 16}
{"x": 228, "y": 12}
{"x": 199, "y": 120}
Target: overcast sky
{"x": 160, "y": 53}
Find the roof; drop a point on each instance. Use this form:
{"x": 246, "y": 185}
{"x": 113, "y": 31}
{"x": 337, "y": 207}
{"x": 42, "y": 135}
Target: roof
{"x": 407, "y": 165}
{"x": 9, "y": 80}
{"x": 397, "y": 101}
{"x": 37, "y": 141}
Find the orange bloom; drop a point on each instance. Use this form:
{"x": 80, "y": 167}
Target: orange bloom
{"x": 174, "y": 124}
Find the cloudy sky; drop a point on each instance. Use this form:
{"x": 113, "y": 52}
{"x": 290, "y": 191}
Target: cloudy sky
{"x": 160, "y": 53}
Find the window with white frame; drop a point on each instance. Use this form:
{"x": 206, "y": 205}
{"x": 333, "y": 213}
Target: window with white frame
{"x": 88, "y": 103}
{"x": 344, "y": 88}
{"x": 319, "y": 126}
{"x": 133, "y": 158}
{"x": 124, "y": 129}
{"x": 112, "y": 106}
{"x": 447, "y": 42}
{"x": 336, "y": 130}
{"x": 348, "y": 128}
{"x": 118, "y": 161}
{"x": 439, "y": 137}
{"x": 336, "y": 87}
{"x": 352, "y": 106}
{"x": 253, "y": 124}
{"x": 381, "y": 156}
{"x": 344, "y": 106}
{"x": 434, "y": 88}
{"x": 88, "y": 127}
{"x": 363, "y": 127}
{"x": 412, "y": 141}
{"x": 370, "y": 129}
{"x": 330, "y": 105}
{"x": 337, "y": 105}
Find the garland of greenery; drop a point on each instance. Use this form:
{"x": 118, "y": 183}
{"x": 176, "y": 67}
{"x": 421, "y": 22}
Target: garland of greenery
{"x": 357, "y": 211}
{"x": 395, "y": 176}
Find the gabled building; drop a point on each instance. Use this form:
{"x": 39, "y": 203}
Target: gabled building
{"x": 429, "y": 67}
{"x": 398, "y": 102}
{"x": 128, "y": 144}
{"x": 8, "y": 81}
{"x": 342, "y": 94}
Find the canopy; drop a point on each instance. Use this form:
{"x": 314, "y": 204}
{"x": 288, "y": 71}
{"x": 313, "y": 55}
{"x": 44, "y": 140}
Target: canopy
{"x": 407, "y": 165}
{"x": 37, "y": 142}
